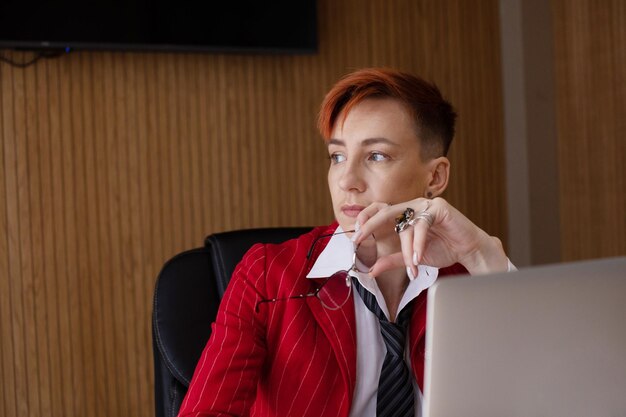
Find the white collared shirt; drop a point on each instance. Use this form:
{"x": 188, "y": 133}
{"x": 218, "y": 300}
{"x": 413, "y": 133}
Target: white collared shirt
{"x": 370, "y": 347}
{"x": 371, "y": 350}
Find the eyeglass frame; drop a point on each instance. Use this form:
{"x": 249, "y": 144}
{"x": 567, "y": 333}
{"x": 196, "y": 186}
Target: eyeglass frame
{"x": 319, "y": 288}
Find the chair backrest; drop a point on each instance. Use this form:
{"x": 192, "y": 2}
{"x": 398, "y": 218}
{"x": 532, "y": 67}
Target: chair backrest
{"x": 186, "y": 297}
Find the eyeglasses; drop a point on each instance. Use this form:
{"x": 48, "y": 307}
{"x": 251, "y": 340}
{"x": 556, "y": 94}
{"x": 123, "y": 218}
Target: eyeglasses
{"x": 334, "y": 292}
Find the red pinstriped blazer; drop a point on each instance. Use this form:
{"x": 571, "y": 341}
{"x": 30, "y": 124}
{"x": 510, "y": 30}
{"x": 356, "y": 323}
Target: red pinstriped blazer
{"x": 292, "y": 358}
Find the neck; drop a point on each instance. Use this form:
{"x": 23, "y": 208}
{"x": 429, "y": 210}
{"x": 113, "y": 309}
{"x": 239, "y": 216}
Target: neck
{"x": 392, "y": 285}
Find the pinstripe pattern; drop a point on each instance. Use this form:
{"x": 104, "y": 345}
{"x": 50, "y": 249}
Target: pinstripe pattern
{"x": 293, "y": 358}
{"x": 395, "y": 390}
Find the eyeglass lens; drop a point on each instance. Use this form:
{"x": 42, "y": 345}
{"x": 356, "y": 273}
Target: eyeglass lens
{"x": 335, "y": 291}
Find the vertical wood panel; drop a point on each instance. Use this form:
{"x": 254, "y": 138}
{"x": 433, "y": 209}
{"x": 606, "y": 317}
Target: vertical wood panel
{"x": 47, "y": 319}
{"x": 111, "y": 163}
{"x": 591, "y": 118}
{"x": 58, "y": 273}
{"x": 6, "y": 307}
{"x": 37, "y": 337}
{"x": 102, "y": 128}
{"x": 14, "y": 187}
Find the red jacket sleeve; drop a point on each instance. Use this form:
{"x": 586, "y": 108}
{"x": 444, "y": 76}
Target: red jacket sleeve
{"x": 226, "y": 377}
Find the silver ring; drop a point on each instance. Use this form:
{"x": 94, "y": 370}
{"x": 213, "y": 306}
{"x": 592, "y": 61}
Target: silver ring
{"x": 426, "y": 216}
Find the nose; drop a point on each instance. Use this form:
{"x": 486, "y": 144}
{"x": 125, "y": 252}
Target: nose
{"x": 351, "y": 178}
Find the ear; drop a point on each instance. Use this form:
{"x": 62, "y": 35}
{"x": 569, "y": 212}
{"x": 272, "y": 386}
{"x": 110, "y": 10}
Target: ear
{"x": 439, "y": 173}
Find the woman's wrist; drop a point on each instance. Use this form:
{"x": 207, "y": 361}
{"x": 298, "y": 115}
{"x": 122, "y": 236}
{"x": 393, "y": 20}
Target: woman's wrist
{"x": 488, "y": 257}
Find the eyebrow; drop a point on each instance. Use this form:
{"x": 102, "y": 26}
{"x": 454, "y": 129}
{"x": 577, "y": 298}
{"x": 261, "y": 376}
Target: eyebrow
{"x": 365, "y": 142}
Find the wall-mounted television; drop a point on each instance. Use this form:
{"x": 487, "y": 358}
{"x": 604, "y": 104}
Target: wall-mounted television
{"x": 275, "y": 26}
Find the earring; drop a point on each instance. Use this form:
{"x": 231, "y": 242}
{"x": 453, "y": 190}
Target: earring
{"x": 429, "y": 195}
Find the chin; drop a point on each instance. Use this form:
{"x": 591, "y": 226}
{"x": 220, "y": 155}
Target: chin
{"x": 346, "y": 224}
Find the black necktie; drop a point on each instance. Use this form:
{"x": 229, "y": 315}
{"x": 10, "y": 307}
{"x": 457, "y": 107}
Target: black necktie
{"x": 395, "y": 388}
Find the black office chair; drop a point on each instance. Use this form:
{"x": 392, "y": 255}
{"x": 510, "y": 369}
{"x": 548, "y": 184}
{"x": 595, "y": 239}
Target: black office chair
{"x": 187, "y": 294}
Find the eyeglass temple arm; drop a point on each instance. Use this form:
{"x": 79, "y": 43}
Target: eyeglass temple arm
{"x": 310, "y": 252}
{"x": 273, "y": 300}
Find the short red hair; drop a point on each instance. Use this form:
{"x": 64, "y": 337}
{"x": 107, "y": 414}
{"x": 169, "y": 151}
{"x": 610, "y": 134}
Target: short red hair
{"x": 434, "y": 116}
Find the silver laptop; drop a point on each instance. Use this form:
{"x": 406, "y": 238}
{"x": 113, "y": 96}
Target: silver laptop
{"x": 544, "y": 341}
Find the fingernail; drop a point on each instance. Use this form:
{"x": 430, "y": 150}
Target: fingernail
{"x": 409, "y": 272}
{"x": 357, "y": 226}
{"x": 355, "y": 236}
{"x": 415, "y": 258}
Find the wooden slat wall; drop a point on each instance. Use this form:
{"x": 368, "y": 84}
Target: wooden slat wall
{"x": 110, "y": 163}
{"x": 590, "y": 45}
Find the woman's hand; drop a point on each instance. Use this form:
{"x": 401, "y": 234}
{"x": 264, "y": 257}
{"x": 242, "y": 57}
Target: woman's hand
{"x": 452, "y": 238}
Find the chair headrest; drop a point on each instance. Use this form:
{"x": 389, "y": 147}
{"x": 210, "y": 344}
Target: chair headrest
{"x": 189, "y": 289}
{"x": 226, "y": 249}
{"x": 185, "y": 304}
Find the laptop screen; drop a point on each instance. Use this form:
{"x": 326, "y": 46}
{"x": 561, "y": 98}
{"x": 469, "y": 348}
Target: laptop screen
{"x": 544, "y": 341}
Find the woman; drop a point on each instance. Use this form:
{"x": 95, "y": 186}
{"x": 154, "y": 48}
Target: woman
{"x": 289, "y": 340}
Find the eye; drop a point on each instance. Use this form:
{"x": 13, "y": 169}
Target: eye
{"x": 336, "y": 158}
{"x": 377, "y": 157}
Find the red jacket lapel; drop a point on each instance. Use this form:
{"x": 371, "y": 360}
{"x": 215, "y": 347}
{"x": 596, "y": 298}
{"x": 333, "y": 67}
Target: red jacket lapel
{"x": 339, "y": 326}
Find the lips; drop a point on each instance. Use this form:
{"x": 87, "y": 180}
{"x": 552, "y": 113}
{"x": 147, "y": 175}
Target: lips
{"x": 351, "y": 210}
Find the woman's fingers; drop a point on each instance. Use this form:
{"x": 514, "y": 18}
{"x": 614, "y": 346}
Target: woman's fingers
{"x": 420, "y": 235}
{"x": 413, "y": 239}
{"x": 364, "y": 219}
{"x": 406, "y": 242}
{"x": 378, "y": 217}
{"x": 385, "y": 263}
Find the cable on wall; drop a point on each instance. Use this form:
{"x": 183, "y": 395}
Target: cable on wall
{"x": 38, "y": 55}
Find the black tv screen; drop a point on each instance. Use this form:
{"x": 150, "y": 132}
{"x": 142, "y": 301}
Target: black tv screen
{"x": 281, "y": 26}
